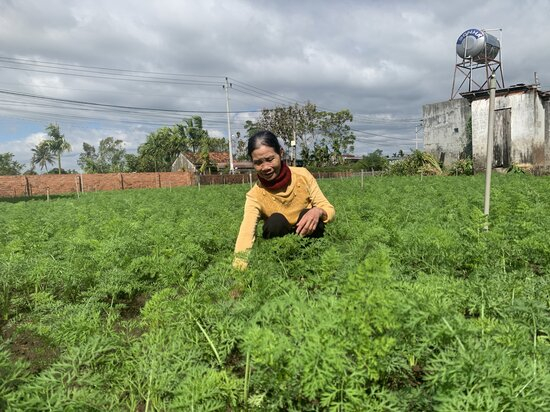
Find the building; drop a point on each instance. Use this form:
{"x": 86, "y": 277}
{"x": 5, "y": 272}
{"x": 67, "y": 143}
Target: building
{"x": 457, "y": 128}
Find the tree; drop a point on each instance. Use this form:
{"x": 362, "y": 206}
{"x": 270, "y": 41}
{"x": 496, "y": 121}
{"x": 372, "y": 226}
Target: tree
{"x": 193, "y": 131}
{"x": 241, "y": 152}
{"x": 57, "y": 143}
{"x": 42, "y": 155}
{"x": 8, "y": 166}
{"x": 110, "y": 158}
{"x": 132, "y": 162}
{"x": 88, "y": 159}
{"x": 305, "y": 125}
{"x": 111, "y": 155}
{"x": 159, "y": 150}
{"x": 338, "y": 133}
{"x": 251, "y": 128}
{"x": 290, "y": 123}
{"x": 56, "y": 171}
{"x": 374, "y": 161}
{"x": 321, "y": 154}
{"x": 164, "y": 145}
{"x": 204, "y": 156}
{"x": 217, "y": 144}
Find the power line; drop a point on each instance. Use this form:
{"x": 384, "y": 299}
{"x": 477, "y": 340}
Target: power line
{"x": 142, "y": 79}
{"x": 96, "y": 69}
{"x": 81, "y": 109}
{"x": 81, "y": 102}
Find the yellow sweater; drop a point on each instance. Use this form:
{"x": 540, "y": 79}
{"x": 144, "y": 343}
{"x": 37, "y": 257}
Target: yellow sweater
{"x": 302, "y": 192}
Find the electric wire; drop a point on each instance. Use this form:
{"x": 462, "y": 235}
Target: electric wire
{"x": 115, "y": 113}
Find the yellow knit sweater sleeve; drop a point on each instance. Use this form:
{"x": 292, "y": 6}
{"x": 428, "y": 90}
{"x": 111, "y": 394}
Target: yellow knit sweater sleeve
{"x": 318, "y": 199}
{"x": 247, "y": 231}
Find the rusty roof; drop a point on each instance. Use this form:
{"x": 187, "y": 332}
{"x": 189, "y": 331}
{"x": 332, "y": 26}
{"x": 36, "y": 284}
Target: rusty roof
{"x": 216, "y": 157}
{"x": 516, "y": 88}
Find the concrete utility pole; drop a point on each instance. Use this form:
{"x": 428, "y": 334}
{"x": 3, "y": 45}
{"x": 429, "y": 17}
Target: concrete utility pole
{"x": 416, "y": 129}
{"x": 293, "y": 143}
{"x": 489, "y": 163}
{"x": 226, "y": 86}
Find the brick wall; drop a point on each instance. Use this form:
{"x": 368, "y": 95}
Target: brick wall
{"x": 21, "y": 186}
{"x": 225, "y": 179}
{"x": 13, "y": 186}
{"x": 36, "y": 185}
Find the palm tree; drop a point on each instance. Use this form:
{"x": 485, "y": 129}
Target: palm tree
{"x": 57, "y": 143}
{"x": 194, "y": 132}
{"x": 42, "y": 155}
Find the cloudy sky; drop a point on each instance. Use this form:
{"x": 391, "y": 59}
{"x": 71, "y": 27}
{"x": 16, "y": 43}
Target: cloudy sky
{"x": 124, "y": 68}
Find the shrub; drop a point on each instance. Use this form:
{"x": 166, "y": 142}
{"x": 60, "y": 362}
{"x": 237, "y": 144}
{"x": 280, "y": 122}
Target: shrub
{"x": 416, "y": 163}
{"x": 462, "y": 167}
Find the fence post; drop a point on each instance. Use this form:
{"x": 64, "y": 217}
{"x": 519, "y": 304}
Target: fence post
{"x": 27, "y": 186}
{"x": 76, "y": 187}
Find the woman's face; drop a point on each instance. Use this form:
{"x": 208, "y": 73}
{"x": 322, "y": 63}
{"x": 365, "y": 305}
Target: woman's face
{"x": 267, "y": 162}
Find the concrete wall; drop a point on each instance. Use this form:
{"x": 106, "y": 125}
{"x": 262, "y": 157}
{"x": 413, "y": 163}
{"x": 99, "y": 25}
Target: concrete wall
{"x": 546, "y": 107}
{"x": 445, "y": 130}
{"x": 527, "y": 123}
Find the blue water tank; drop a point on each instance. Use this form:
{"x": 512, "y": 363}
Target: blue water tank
{"x": 477, "y": 45}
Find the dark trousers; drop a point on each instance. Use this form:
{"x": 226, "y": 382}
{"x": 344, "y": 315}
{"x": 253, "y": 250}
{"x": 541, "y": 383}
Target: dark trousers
{"x": 277, "y": 225}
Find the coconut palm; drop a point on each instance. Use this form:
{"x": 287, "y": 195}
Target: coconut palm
{"x": 192, "y": 129}
{"x": 42, "y": 155}
{"x": 57, "y": 143}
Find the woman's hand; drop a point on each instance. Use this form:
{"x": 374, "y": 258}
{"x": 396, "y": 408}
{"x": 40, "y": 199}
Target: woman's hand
{"x": 308, "y": 223}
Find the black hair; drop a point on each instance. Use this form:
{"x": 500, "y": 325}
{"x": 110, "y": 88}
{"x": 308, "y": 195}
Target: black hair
{"x": 263, "y": 138}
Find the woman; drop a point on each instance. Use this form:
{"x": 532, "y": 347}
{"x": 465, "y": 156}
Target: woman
{"x": 288, "y": 199}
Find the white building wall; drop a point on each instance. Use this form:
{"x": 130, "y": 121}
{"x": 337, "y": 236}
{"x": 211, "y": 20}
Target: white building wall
{"x": 527, "y": 127}
{"x": 445, "y": 129}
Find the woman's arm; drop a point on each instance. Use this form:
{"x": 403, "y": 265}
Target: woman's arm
{"x": 318, "y": 199}
{"x": 309, "y": 221}
{"x": 247, "y": 232}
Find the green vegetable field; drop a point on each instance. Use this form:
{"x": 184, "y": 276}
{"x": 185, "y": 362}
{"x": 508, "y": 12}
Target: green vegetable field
{"x": 127, "y": 301}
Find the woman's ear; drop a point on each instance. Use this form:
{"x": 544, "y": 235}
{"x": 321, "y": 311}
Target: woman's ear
{"x": 282, "y": 153}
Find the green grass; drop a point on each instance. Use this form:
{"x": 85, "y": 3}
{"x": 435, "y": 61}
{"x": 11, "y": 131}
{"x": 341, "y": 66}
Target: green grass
{"x": 128, "y": 301}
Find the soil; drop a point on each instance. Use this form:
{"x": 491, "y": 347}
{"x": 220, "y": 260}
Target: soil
{"x": 234, "y": 362}
{"x": 27, "y": 346}
{"x": 133, "y": 306}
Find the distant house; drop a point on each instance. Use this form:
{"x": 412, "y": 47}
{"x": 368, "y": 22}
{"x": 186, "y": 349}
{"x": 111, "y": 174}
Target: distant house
{"x": 219, "y": 161}
{"x": 351, "y": 158}
{"x": 521, "y": 129}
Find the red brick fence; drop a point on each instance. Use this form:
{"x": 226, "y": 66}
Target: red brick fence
{"x": 36, "y": 185}
{"x": 41, "y": 185}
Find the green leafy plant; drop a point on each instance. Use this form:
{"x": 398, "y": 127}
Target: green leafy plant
{"x": 462, "y": 167}
{"x": 128, "y": 300}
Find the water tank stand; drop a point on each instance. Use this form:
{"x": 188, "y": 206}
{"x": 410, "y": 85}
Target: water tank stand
{"x": 477, "y": 59}
{"x": 465, "y": 69}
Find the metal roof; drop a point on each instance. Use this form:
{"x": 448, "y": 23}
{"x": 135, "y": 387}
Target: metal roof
{"x": 517, "y": 88}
